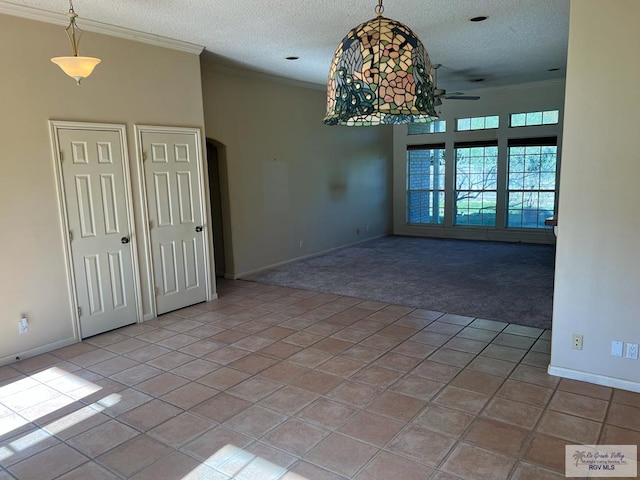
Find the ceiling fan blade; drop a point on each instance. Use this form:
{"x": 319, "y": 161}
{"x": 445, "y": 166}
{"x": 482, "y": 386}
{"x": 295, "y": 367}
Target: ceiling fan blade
{"x": 440, "y": 93}
{"x": 468, "y": 97}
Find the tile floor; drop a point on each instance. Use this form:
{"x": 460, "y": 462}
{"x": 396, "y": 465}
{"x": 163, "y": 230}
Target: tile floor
{"x": 274, "y": 383}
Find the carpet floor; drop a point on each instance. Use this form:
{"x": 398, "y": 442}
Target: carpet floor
{"x": 508, "y": 282}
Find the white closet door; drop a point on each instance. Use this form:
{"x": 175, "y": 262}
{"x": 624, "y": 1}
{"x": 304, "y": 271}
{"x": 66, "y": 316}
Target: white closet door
{"x": 173, "y": 182}
{"x": 98, "y": 216}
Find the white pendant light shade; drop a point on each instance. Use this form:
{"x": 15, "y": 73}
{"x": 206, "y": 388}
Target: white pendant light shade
{"x": 77, "y": 67}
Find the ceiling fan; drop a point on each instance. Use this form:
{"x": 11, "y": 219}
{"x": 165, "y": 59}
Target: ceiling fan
{"x": 440, "y": 93}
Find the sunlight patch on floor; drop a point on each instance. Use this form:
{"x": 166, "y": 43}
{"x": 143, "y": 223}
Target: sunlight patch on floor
{"x": 39, "y": 395}
{"x": 240, "y": 464}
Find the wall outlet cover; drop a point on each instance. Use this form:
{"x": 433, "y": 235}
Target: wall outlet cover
{"x": 576, "y": 341}
{"x": 632, "y": 351}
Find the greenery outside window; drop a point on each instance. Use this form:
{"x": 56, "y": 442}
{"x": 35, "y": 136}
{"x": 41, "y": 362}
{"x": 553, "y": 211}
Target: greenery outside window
{"x": 425, "y": 184}
{"x": 531, "y": 186}
{"x": 476, "y": 183}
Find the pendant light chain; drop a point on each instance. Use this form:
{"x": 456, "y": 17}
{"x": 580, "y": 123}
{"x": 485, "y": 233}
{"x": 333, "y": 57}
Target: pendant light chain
{"x": 75, "y": 66}
{"x": 379, "y": 9}
{"x": 73, "y": 32}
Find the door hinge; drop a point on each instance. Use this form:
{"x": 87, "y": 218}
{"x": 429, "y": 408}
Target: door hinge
{"x": 144, "y": 156}
{"x": 157, "y": 291}
{"x": 79, "y": 312}
{"x": 150, "y": 224}
{"x": 61, "y": 156}
{"x": 70, "y": 236}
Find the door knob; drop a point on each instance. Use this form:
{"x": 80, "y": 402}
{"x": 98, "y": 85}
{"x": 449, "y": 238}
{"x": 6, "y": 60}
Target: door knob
{"x": 124, "y": 240}
{"x": 198, "y": 229}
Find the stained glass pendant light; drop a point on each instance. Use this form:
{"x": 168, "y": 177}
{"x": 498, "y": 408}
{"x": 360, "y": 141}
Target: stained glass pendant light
{"x": 380, "y": 74}
{"x": 75, "y": 66}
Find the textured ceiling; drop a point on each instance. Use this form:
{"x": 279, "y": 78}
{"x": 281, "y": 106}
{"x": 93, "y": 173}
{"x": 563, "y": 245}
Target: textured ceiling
{"x": 520, "y": 41}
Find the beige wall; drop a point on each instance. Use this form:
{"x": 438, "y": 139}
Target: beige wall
{"x": 290, "y": 177}
{"x": 597, "y": 282}
{"x": 135, "y": 84}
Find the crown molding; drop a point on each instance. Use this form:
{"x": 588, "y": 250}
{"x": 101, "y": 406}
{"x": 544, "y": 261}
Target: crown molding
{"x": 36, "y": 14}
{"x": 209, "y": 65}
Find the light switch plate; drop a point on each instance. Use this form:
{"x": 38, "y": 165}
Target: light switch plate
{"x": 616, "y": 348}
{"x": 23, "y": 325}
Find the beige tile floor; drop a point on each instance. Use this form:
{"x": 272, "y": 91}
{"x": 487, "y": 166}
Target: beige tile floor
{"x": 274, "y": 383}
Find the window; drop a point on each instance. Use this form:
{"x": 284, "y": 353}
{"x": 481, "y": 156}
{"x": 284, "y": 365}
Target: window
{"x": 528, "y": 119}
{"x": 477, "y": 123}
{"x": 437, "y": 126}
{"x": 532, "y": 182}
{"x": 425, "y": 184}
{"x": 476, "y": 183}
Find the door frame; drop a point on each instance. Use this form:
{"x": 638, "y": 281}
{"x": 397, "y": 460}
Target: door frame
{"x": 54, "y": 126}
{"x": 151, "y": 287}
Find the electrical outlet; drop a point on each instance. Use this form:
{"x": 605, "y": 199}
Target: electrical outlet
{"x": 632, "y": 351}
{"x": 23, "y": 325}
{"x": 616, "y": 348}
{"x": 576, "y": 341}
{"x": 301, "y": 243}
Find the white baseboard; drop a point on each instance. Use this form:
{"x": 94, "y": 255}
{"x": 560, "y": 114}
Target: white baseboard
{"x": 594, "y": 378}
{"x": 38, "y": 350}
{"x": 304, "y": 257}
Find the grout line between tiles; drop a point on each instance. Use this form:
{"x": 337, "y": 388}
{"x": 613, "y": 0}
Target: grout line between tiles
{"x": 240, "y": 305}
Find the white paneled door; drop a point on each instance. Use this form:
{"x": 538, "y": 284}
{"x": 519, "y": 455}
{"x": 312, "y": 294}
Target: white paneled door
{"x": 175, "y": 205}
{"x": 95, "y": 182}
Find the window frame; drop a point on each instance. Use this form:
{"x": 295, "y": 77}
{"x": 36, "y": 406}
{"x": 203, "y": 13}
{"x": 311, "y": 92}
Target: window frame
{"x": 484, "y": 119}
{"x": 542, "y": 122}
{"x": 531, "y": 142}
{"x": 481, "y": 192}
{"x": 440, "y": 214}
{"x": 435, "y": 122}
